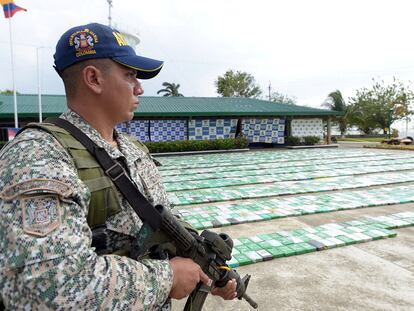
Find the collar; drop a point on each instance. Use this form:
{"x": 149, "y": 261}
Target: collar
{"x": 126, "y": 149}
{"x": 92, "y": 133}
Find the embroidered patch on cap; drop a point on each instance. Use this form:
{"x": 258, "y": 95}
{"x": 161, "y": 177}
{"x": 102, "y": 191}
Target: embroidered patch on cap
{"x": 41, "y": 214}
{"x": 84, "y": 42}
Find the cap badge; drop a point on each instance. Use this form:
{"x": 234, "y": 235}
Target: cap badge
{"x": 84, "y": 42}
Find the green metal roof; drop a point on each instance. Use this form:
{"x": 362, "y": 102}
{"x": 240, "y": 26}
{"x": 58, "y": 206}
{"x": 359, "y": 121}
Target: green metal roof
{"x": 151, "y": 106}
{"x": 27, "y": 106}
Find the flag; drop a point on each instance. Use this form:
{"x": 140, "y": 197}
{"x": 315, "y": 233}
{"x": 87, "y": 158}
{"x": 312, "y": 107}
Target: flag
{"x": 10, "y": 8}
{"x": 12, "y": 132}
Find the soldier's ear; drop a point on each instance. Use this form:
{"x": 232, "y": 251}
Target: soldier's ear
{"x": 92, "y": 77}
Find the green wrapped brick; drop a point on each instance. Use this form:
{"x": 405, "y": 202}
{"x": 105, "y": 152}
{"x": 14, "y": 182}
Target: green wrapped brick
{"x": 242, "y": 259}
{"x": 265, "y": 245}
{"x": 276, "y": 252}
{"x": 346, "y": 239}
{"x": 254, "y": 247}
{"x": 288, "y": 251}
{"x": 300, "y": 248}
{"x": 242, "y": 248}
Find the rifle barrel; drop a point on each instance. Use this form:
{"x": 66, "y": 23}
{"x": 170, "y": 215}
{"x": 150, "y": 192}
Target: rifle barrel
{"x": 250, "y": 300}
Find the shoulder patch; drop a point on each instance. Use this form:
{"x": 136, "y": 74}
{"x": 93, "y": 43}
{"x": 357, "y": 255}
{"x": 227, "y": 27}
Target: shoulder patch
{"x": 41, "y": 214}
{"x": 36, "y": 186}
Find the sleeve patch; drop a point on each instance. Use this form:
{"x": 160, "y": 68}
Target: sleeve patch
{"x": 36, "y": 186}
{"x": 41, "y": 214}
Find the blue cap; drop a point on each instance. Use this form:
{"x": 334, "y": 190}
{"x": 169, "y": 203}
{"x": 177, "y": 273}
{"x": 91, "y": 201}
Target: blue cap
{"x": 94, "y": 41}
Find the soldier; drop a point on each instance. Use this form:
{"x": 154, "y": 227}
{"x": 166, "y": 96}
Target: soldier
{"x": 47, "y": 261}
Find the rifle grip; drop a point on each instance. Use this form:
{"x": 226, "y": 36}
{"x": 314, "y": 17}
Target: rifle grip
{"x": 197, "y": 298}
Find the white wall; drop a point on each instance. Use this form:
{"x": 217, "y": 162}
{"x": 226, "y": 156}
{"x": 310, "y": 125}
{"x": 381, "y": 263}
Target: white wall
{"x": 307, "y": 127}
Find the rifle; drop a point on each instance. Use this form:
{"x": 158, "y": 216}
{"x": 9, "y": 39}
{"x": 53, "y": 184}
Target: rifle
{"x": 209, "y": 250}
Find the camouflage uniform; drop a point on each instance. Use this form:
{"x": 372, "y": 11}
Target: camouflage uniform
{"x": 46, "y": 258}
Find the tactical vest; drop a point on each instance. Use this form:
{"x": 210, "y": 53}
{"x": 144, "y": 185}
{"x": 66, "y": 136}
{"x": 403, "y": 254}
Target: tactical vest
{"x": 104, "y": 202}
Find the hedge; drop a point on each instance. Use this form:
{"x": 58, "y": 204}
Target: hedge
{"x": 293, "y": 140}
{"x": 197, "y": 145}
{"x": 298, "y": 141}
{"x": 311, "y": 140}
{"x": 191, "y": 145}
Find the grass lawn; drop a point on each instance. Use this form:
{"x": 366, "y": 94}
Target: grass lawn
{"x": 395, "y": 147}
{"x": 363, "y": 139}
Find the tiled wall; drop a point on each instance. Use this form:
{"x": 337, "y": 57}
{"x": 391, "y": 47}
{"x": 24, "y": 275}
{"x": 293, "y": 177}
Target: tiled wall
{"x": 137, "y": 128}
{"x": 168, "y": 130}
{"x": 210, "y": 129}
{"x": 156, "y": 130}
{"x": 307, "y": 127}
{"x": 264, "y": 130}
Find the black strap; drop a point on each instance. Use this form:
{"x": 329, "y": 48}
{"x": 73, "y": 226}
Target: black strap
{"x": 116, "y": 173}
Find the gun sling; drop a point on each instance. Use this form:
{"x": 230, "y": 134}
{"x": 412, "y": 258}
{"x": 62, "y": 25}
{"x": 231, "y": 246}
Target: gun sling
{"x": 117, "y": 174}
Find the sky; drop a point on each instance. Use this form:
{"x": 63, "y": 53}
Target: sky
{"x": 305, "y": 49}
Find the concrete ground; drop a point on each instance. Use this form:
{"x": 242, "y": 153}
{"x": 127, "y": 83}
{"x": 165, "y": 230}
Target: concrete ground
{"x": 376, "y": 275}
{"x": 355, "y": 144}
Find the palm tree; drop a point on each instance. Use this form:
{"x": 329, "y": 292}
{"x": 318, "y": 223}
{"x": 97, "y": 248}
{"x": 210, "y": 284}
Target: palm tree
{"x": 171, "y": 89}
{"x": 335, "y": 102}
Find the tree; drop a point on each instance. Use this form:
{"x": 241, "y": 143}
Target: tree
{"x": 336, "y": 102}
{"x": 281, "y": 98}
{"x": 237, "y": 84}
{"x": 380, "y": 105}
{"x": 8, "y": 92}
{"x": 171, "y": 89}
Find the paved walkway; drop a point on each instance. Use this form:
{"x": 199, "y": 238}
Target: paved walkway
{"x": 274, "y": 232}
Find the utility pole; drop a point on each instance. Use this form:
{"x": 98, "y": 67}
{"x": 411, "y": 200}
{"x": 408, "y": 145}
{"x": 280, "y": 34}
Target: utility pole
{"x": 109, "y": 14}
{"x": 270, "y": 90}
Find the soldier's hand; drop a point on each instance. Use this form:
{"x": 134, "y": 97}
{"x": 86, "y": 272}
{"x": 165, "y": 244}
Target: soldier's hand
{"x": 186, "y": 275}
{"x": 227, "y": 292}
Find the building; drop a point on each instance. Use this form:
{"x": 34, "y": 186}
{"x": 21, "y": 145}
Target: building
{"x": 193, "y": 118}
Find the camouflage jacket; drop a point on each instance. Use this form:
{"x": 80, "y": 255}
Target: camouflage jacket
{"x": 46, "y": 258}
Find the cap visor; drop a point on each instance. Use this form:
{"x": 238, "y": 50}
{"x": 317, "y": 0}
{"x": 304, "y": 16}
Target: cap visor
{"x": 146, "y": 68}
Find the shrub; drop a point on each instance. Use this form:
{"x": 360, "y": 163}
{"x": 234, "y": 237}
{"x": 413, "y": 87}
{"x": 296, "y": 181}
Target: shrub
{"x": 395, "y": 133}
{"x": 293, "y": 141}
{"x": 197, "y": 145}
{"x": 311, "y": 140}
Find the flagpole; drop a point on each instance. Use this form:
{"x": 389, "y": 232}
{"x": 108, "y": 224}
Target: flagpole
{"x": 39, "y": 90}
{"x": 16, "y": 121}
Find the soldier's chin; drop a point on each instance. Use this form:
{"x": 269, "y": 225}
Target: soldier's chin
{"x": 131, "y": 116}
{"x": 127, "y": 119}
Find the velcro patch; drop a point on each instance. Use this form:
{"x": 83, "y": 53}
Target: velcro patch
{"x": 41, "y": 214}
{"x": 34, "y": 186}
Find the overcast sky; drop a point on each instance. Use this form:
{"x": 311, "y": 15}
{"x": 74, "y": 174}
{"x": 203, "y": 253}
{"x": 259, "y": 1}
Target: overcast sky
{"x": 306, "y": 49}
